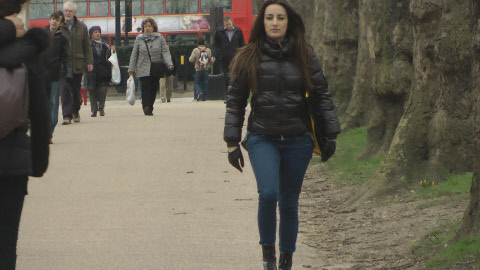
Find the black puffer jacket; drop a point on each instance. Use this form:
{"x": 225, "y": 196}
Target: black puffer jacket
{"x": 279, "y": 108}
{"x": 19, "y": 154}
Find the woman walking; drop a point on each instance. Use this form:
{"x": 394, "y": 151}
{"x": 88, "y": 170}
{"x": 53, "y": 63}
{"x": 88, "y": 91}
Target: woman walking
{"x": 278, "y": 67}
{"x": 21, "y": 70}
{"x": 150, "y": 47}
{"x": 97, "y": 80}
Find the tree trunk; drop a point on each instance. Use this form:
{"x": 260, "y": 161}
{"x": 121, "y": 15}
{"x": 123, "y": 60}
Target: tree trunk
{"x": 335, "y": 40}
{"x": 358, "y": 109}
{"x": 392, "y": 72}
{"x": 471, "y": 220}
{"x": 435, "y": 133}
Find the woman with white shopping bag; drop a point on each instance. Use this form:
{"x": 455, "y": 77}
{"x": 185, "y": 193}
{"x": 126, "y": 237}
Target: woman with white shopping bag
{"x": 99, "y": 78}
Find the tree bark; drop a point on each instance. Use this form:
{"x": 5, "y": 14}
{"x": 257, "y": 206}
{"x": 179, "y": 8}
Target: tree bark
{"x": 392, "y": 72}
{"x": 435, "y": 133}
{"x": 335, "y": 40}
{"x": 471, "y": 220}
{"x": 358, "y": 108}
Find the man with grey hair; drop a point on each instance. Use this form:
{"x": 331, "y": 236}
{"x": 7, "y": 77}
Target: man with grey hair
{"x": 81, "y": 56}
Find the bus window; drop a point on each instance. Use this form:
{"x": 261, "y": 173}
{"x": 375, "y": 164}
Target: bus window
{"x": 41, "y": 9}
{"x": 152, "y": 7}
{"x": 182, "y": 39}
{"x": 182, "y": 6}
{"x": 207, "y": 4}
{"x": 81, "y": 7}
{"x": 136, "y": 7}
{"x": 98, "y": 8}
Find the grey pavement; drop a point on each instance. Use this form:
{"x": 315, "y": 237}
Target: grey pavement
{"x": 127, "y": 191}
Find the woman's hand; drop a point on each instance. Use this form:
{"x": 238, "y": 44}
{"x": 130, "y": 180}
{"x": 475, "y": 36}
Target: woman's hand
{"x": 170, "y": 67}
{"x": 235, "y": 157}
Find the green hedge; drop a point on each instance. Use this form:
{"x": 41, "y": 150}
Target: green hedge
{"x": 123, "y": 54}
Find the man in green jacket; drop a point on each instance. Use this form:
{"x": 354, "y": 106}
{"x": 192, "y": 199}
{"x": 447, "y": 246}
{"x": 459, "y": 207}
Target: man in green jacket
{"x": 81, "y": 58}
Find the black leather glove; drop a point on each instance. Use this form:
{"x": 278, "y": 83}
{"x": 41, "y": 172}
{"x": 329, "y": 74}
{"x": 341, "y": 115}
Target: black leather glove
{"x": 236, "y": 159}
{"x": 327, "y": 146}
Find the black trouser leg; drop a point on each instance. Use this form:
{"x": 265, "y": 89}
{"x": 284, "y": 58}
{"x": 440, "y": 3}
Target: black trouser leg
{"x": 12, "y": 195}
{"x": 225, "y": 65}
{"x": 150, "y": 87}
{"x": 76, "y": 95}
{"x": 94, "y": 96}
{"x": 66, "y": 97}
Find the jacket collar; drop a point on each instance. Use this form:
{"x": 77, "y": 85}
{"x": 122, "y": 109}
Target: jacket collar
{"x": 149, "y": 37}
{"x": 277, "y": 50}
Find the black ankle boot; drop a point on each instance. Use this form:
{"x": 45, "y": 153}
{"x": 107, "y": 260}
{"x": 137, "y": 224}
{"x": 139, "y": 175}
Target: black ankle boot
{"x": 285, "y": 262}
{"x": 269, "y": 259}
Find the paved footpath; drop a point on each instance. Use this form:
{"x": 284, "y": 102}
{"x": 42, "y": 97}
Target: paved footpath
{"x": 126, "y": 191}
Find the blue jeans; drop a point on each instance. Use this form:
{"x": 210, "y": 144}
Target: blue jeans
{"x": 279, "y": 165}
{"x": 53, "y": 104}
{"x": 201, "y": 82}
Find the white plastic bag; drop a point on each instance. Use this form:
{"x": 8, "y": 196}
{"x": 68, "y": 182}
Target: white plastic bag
{"x": 116, "y": 77}
{"x": 131, "y": 91}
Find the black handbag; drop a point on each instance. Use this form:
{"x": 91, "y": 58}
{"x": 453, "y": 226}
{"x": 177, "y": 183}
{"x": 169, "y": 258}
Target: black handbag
{"x": 156, "y": 68}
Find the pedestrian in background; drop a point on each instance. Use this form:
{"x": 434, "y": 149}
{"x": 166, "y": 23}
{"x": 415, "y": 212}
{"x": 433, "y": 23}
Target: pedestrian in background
{"x": 21, "y": 155}
{"x": 166, "y": 82}
{"x": 59, "y": 60}
{"x": 228, "y": 39}
{"x": 80, "y": 56}
{"x": 201, "y": 57}
{"x": 150, "y": 46}
{"x": 99, "y": 78}
{"x": 278, "y": 67}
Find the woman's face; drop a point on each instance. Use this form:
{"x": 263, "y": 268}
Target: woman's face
{"x": 148, "y": 28}
{"x": 96, "y": 35}
{"x": 276, "y": 22}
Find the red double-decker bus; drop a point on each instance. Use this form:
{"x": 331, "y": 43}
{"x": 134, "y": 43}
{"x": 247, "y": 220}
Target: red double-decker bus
{"x": 180, "y": 21}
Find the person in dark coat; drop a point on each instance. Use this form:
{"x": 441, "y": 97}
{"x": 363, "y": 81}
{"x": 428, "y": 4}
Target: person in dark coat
{"x": 226, "y": 43}
{"x": 278, "y": 68}
{"x": 59, "y": 60}
{"x": 21, "y": 155}
{"x": 98, "y": 79}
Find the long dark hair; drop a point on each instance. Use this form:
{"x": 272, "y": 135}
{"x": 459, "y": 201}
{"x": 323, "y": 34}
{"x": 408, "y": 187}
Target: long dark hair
{"x": 9, "y": 7}
{"x": 246, "y": 61}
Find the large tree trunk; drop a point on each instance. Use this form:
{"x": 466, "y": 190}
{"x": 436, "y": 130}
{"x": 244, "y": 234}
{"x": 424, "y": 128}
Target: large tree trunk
{"x": 358, "y": 110}
{"x": 471, "y": 219}
{"x": 393, "y": 72}
{"x": 435, "y": 133}
{"x": 335, "y": 39}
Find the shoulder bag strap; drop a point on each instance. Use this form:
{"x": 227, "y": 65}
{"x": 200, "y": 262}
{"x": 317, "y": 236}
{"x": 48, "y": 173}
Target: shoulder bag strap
{"x": 149, "y": 56}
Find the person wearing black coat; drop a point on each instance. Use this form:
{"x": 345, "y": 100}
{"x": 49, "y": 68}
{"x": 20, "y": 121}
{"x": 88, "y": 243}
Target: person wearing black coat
{"x": 21, "y": 155}
{"x": 98, "y": 79}
{"x": 228, "y": 39}
{"x": 58, "y": 63}
{"x": 278, "y": 68}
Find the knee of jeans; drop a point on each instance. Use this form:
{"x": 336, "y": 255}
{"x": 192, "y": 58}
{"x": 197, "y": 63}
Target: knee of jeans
{"x": 268, "y": 197}
{"x": 288, "y": 205}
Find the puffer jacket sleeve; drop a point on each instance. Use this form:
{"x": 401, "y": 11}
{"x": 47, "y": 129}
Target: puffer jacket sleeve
{"x": 38, "y": 105}
{"x": 322, "y": 101}
{"x": 237, "y": 96}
